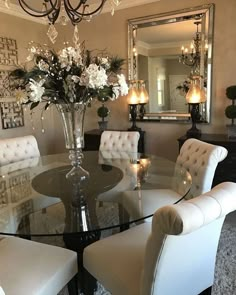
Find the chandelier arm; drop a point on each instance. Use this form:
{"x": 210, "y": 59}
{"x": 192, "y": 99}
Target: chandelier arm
{"x": 72, "y": 16}
{"x": 37, "y": 13}
{"x": 68, "y": 4}
{"x": 69, "y": 7}
{"x": 56, "y": 11}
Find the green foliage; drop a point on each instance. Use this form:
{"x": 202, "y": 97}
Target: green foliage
{"x": 231, "y": 92}
{"x": 230, "y": 112}
{"x": 184, "y": 86}
{"x": 18, "y": 73}
{"x": 104, "y": 93}
{"x": 116, "y": 64}
{"x": 103, "y": 111}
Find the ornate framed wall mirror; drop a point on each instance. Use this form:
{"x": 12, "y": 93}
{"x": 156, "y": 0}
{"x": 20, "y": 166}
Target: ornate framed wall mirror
{"x": 166, "y": 51}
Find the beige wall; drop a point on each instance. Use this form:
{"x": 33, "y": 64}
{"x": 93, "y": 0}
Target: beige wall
{"x": 25, "y": 31}
{"x": 111, "y": 33}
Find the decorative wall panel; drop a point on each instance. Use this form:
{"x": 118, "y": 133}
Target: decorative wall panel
{"x": 12, "y": 115}
{"x": 6, "y": 92}
{"x": 8, "y": 51}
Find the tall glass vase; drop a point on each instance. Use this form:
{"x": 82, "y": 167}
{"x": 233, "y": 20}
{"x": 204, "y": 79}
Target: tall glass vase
{"x": 72, "y": 116}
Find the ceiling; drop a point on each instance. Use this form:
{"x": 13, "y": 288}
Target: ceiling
{"x": 167, "y": 33}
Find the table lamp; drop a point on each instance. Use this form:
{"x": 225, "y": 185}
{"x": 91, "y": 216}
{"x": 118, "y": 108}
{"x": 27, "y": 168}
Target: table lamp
{"x": 143, "y": 98}
{"x": 194, "y": 97}
{"x": 133, "y": 101}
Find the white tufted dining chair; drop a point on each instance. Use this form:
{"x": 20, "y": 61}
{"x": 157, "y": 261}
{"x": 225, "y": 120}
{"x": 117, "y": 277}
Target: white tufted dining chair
{"x": 174, "y": 255}
{"x": 119, "y": 148}
{"x": 18, "y": 149}
{"x": 200, "y": 159}
{"x": 119, "y": 141}
{"x": 29, "y": 267}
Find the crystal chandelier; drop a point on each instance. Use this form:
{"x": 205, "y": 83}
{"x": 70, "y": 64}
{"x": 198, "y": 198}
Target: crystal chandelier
{"x": 76, "y": 11}
{"x": 63, "y": 11}
{"x": 193, "y": 58}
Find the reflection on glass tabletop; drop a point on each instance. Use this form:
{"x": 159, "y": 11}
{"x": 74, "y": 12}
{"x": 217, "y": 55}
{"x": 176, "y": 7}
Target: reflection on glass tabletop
{"x": 37, "y": 198}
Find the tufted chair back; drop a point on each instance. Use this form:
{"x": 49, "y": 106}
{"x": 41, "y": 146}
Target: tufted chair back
{"x": 119, "y": 148}
{"x": 119, "y": 141}
{"x": 200, "y": 159}
{"x": 181, "y": 250}
{"x": 18, "y": 149}
{"x": 175, "y": 254}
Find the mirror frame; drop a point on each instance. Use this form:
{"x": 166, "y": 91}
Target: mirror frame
{"x": 171, "y": 17}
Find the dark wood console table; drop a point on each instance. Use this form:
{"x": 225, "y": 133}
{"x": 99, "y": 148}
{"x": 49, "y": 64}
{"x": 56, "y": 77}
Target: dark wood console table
{"x": 226, "y": 170}
{"x": 92, "y": 140}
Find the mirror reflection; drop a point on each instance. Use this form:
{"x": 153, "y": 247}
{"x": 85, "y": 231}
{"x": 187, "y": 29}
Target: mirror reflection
{"x": 168, "y": 52}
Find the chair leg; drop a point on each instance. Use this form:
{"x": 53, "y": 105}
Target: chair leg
{"x": 73, "y": 286}
{"x": 206, "y": 291}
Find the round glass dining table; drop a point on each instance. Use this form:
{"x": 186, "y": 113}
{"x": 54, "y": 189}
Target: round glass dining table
{"x": 38, "y": 200}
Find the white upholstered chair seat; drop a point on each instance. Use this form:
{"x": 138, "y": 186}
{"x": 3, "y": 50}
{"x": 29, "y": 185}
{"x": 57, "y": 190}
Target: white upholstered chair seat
{"x": 175, "y": 254}
{"x": 139, "y": 203}
{"x": 119, "y": 251}
{"x": 29, "y": 268}
{"x": 18, "y": 149}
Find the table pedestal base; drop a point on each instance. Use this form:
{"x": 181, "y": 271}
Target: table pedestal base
{"x": 87, "y": 284}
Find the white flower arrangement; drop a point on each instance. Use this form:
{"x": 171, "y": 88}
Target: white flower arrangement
{"x": 71, "y": 76}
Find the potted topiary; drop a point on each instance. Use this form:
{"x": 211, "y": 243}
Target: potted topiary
{"x": 230, "y": 111}
{"x": 103, "y": 113}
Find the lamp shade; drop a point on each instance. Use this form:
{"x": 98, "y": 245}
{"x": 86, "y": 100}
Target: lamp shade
{"x": 195, "y": 94}
{"x": 133, "y": 96}
{"x": 143, "y": 95}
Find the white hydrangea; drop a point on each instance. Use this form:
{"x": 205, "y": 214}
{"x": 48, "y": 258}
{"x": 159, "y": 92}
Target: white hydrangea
{"x": 94, "y": 77}
{"x": 116, "y": 92}
{"x": 75, "y": 78}
{"x": 36, "y": 90}
{"x": 69, "y": 55}
{"x": 123, "y": 85}
{"x": 43, "y": 66}
{"x": 104, "y": 62}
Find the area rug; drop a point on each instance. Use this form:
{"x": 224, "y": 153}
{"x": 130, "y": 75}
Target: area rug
{"x": 225, "y": 270}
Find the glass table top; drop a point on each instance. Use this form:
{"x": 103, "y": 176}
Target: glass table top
{"x": 37, "y": 199}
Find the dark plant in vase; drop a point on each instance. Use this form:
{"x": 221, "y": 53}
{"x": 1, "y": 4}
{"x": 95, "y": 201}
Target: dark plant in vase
{"x": 230, "y": 111}
{"x": 103, "y": 113}
{"x": 184, "y": 87}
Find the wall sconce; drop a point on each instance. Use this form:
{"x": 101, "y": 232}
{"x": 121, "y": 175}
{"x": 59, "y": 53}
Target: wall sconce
{"x": 194, "y": 97}
{"x": 137, "y": 95}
